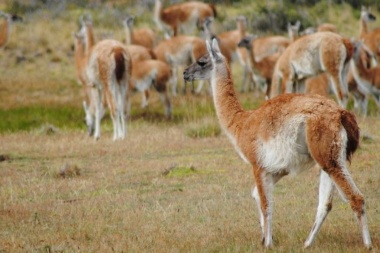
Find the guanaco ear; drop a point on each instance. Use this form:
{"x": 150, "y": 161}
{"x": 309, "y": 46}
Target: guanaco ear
{"x": 215, "y": 46}
{"x": 209, "y": 50}
{"x": 88, "y": 18}
{"x": 81, "y": 20}
{"x": 213, "y": 49}
{"x": 298, "y": 24}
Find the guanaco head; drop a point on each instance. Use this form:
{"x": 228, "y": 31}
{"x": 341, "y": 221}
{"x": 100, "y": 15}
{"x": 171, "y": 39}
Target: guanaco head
{"x": 16, "y": 18}
{"x": 293, "y": 30}
{"x": 247, "y": 42}
{"x": 242, "y": 19}
{"x": 207, "y": 21}
{"x": 129, "y": 21}
{"x": 84, "y": 21}
{"x": 366, "y": 15}
{"x": 202, "y": 68}
{"x": 11, "y": 17}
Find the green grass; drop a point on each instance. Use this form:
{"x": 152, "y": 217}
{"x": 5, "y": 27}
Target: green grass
{"x": 32, "y": 117}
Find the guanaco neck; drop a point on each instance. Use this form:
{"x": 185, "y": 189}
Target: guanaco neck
{"x": 293, "y": 35}
{"x": 207, "y": 31}
{"x": 361, "y": 69}
{"x": 227, "y": 105}
{"x": 90, "y": 41}
{"x": 158, "y": 13}
{"x": 363, "y": 26}
{"x": 80, "y": 59}
{"x": 242, "y": 28}
{"x": 79, "y": 55}
{"x": 251, "y": 54}
{"x": 4, "y": 31}
{"x": 129, "y": 34}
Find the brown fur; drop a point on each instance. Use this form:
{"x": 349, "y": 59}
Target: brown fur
{"x": 349, "y": 123}
{"x": 349, "y": 49}
{"x": 90, "y": 38}
{"x": 318, "y": 85}
{"x": 80, "y": 59}
{"x": 372, "y": 41}
{"x": 144, "y": 37}
{"x": 140, "y": 53}
{"x": 120, "y": 69}
{"x": 4, "y": 30}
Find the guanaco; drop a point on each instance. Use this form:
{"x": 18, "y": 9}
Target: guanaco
{"x": 310, "y": 55}
{"x": 368, "y": 79}
{"x": 230, "y": 40}
{"x": 143, "y": 36}
{"x": 5, "y": 26}
{"x": 286, "y": 135}
{"x": 371, "y": 38}
{"x": 179, "y": 51}
{"x": 293, "y": 30}
{"x": 365, "y": 17}
{"x": 223, "y": 45}
{"x": 153, "y": 73}
{"x": 265, "y": 66}
{"x": 106, "y": 72}
{"x": 182, "y": 16}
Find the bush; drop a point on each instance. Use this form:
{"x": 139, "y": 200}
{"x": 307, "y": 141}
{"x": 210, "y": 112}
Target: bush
{"x": 275, "y": 19}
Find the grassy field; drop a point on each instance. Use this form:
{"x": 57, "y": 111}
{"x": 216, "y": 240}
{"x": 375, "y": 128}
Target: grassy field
{"x": 171, "y": 186}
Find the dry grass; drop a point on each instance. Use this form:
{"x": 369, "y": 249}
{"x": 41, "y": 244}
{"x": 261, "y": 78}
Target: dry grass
{"x": 161, "y": 189}
{"x": 122, "y": 199}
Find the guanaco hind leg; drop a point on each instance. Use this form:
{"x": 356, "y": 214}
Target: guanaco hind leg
{"x": 343, "y": 180}
{"x": 326, "y": 188}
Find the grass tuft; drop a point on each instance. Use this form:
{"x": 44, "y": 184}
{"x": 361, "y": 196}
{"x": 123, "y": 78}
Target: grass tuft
{"x": 69, "y": 170}
{"x": 204, "y": 131}
{"x": 203, "y": 128}
{"x": 180, "y": 171}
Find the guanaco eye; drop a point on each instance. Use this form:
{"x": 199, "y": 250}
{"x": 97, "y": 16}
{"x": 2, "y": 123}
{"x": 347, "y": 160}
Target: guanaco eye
{"x": 201, "y": 63}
